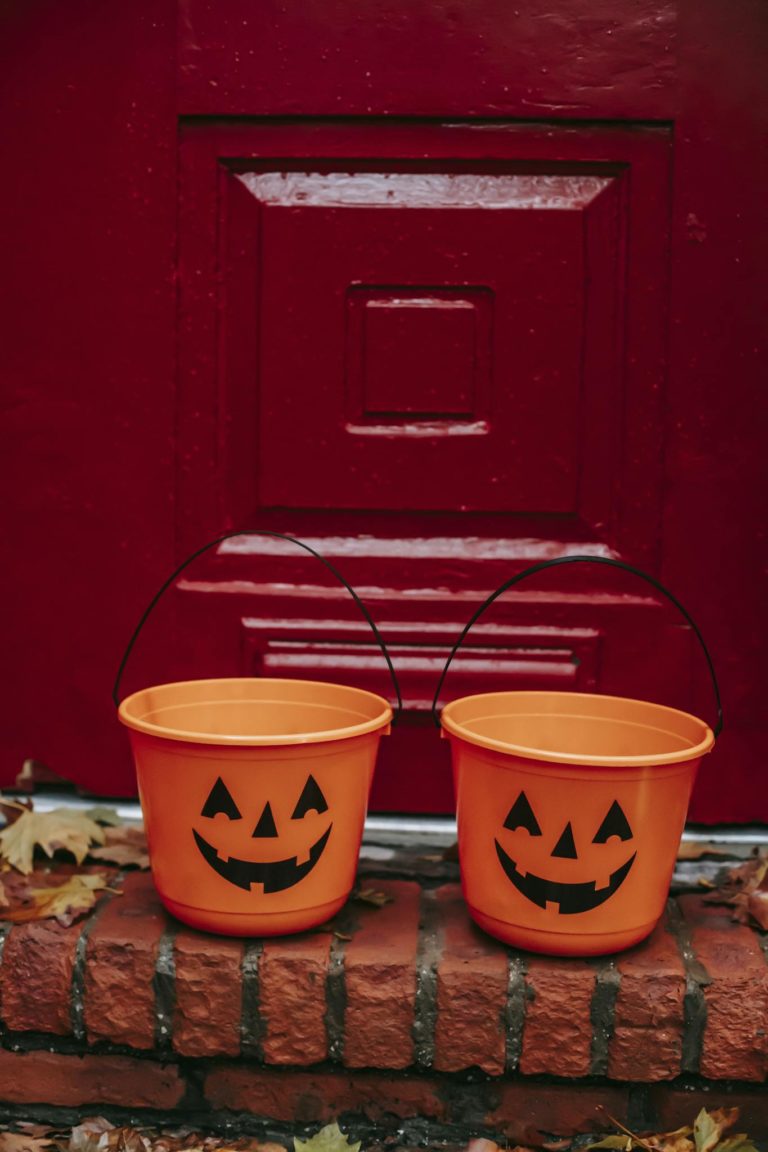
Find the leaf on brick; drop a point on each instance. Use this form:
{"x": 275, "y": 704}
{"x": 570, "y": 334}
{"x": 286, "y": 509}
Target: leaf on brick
{"x": 125, "y": 846}
{"x": 61, "y": 828}
{"x": 65, "y": 903}
{"x": 102, "y": 815}
{"x": 22, "y": 1142}
{"x": 708, "y": 1127}
{"x": 90, "y": 1136}
{"x": 745, "y": 891}
{"x": 371, "y": 896}
{"x": 328, "y": 1139}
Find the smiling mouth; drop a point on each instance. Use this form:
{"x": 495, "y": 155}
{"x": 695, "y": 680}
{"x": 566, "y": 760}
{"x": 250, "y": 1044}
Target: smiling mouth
{"x": 571, "y": 898}
{"x": 275, "y": 875}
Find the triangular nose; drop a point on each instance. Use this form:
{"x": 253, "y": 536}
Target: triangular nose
{"x": 266, "y": 825}
{"x": 565, "y": 846}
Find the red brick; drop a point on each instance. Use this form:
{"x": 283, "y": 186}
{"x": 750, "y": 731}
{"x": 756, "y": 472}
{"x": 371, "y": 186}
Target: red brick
{"x": 317, "y": 1098}
{"x": 38, "y": 959}
{"x": 647, "y": 1041}
{"x": 209, "y": 993}
{"x": 531, "y": 1113}
{"x": 380, "y": 981}
{"x": 557, "y": 1034}
{"x": 292, "y": 976}
{"x": 736, "y": 1034}
{"x": 674, "y": 1107}
{"x": 472, "y": 979}
{"x": 73, "y": 1081}
{"x": 120, "y": 964}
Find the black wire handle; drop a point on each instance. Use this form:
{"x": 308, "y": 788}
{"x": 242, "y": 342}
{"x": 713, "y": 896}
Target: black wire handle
{"x": 575, "y": 560}
{"x": 276, "y": 536}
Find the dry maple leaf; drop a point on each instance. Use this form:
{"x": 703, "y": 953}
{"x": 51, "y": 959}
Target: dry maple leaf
{"x": 64, "y": 903}
{"x": 60, "y": 828}
{"x": 328, "y": 1139}
{"x": 125, "y": 846}
{"x": 745, "y": 890}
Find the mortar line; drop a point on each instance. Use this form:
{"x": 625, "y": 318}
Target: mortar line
{"x": 514, "y": 1013}
{"x": 252, "y": 1025}
{"x": 164, "y": 986}
{"x": 602, "y": 1014}
{"x": 77, "y": 981}
{"x": 694, "y": 1002}
{"x": 428, "y": 952}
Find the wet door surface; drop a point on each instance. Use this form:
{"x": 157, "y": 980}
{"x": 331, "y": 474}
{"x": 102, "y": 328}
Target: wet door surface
{"x": 432, "y": 290}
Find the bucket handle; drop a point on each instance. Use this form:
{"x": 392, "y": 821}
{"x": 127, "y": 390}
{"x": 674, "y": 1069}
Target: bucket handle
{"x": 555, "y": 562}
{"x": 277, "y": 536}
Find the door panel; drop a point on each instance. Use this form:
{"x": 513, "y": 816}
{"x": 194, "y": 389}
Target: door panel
{"x": 546, "y": 339}
{"x": 331, "y": 383}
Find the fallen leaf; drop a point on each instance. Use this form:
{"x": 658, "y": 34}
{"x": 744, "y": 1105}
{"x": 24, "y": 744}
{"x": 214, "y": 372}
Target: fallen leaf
{"x": 745, "y": 891}
{"x": 695, "y": 850}
{"x": 12, "y": 809}
{"x": 757, "y": 906}
{"x": 708, "y": 1127}
{"x": 22, "y": 1142}
{"x": 328, "y": 1139}
{"x": 371, "y": 896}
{"x": 102, "y": 815}
{"x": 61, "y": 828}
{"x": 86, "y": 1137}
{"x": 482, "y": 1145}
{"x": 125, "y": 846}
{"x": 64, "y": 903}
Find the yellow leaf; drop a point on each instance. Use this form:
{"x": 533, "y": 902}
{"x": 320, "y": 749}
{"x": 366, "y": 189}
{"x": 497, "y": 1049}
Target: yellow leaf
{"x": 328, "y": 1139}
{"x": 62, "y": 902}
{"x": 708, "y": 1127}
{"x": 61, "y": 828}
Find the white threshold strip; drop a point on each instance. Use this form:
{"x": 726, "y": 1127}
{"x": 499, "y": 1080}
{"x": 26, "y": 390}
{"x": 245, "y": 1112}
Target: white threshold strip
{"x": 404, "y": 829}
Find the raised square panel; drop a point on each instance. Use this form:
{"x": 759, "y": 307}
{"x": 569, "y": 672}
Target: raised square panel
{"x": 482, "y": 415}
{"x": 417, "y": 353}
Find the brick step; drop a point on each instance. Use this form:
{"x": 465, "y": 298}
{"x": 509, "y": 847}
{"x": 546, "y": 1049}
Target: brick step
{"x": 402, "y": 1011}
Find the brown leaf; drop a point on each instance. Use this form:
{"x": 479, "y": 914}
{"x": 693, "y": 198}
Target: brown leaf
{"x": 22, "y": 1142}
{"x": 64, "y": 903}
{"x": 481, "y": 1145}
{"x": 757, "y": 906}
{"x": 125, "y": 845}
{"x": 61, "y": 828}
{"x": 371, "y": 896}
{"x": 708, "y": 1127}
{"x": 87, "y": 1137}
{"x": 695, "y": 850}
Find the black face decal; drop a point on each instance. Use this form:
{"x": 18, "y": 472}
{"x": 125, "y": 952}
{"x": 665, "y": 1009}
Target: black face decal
{"x": 274, "y": 875}
{"x": 569, "y": 898}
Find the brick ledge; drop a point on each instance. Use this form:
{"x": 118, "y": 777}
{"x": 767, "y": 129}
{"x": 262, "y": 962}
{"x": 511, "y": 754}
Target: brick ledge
{"x": 402, "y": 1012}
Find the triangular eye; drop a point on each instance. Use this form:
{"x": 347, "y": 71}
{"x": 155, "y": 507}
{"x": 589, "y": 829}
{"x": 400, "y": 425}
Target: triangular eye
{"x": 615, "y": 824}
{"x": 219, "y": 800}
{"x": 521, "y": 816}
{"x": 311, "y": 797}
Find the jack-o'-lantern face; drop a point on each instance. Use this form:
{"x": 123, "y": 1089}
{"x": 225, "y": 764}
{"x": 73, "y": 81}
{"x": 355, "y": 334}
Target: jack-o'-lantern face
{"x": 567, "y": 898}
{"x": 274, "y": 875}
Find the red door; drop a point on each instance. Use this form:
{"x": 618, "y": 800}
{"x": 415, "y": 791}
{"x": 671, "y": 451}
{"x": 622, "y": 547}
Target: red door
{"x": 441, "y": 290}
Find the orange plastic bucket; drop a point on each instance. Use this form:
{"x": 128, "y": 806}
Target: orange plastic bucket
{"x": 570, "y": 807}
{"x": 254, "y": 791}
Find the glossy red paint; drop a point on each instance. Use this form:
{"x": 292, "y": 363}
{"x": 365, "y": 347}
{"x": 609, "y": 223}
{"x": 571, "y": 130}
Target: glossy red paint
{"x": 443, "y": 288}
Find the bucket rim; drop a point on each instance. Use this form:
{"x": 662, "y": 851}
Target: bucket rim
{"x": 457, "y": 729}
{"x": 162, "y": 732}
